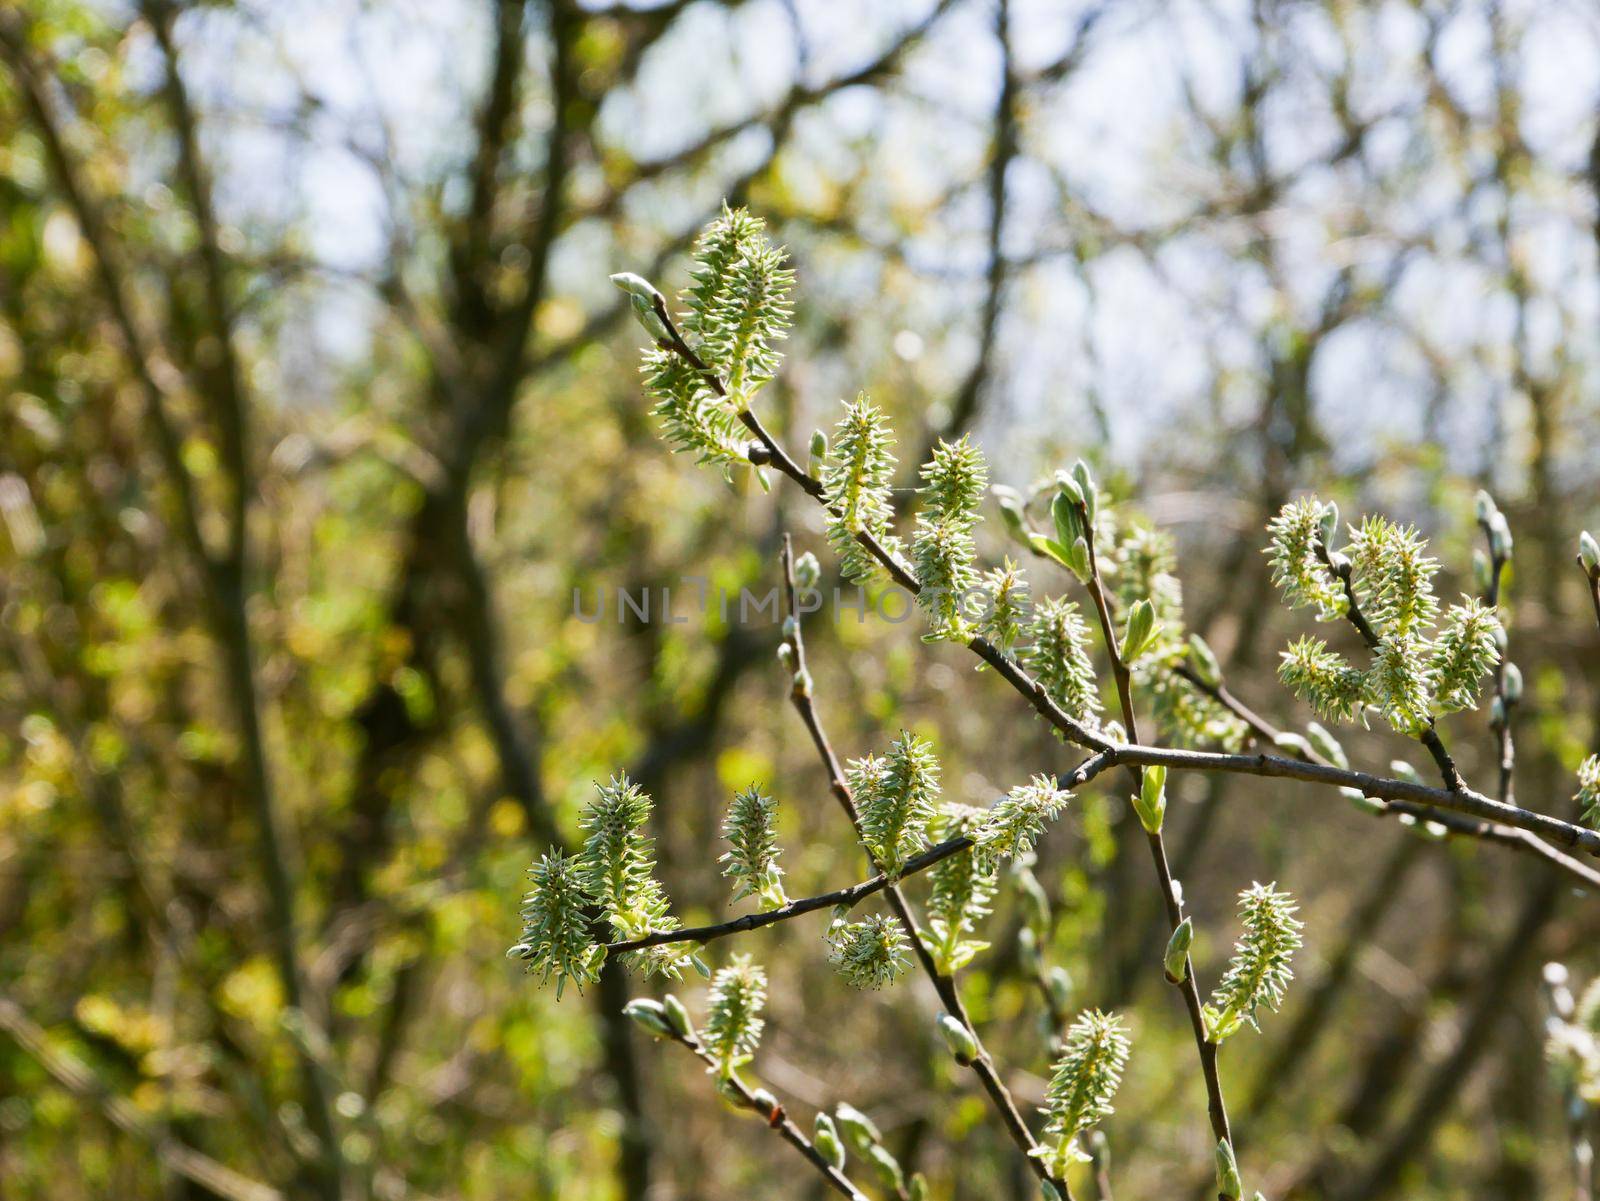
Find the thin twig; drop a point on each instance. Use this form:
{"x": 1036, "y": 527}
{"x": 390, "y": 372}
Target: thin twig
{"x": 982, "y": 1064}
{"x": 852, "y": 895}
{"x": 1455, "y": 823}
{"x": 1462, "y": 799}
{"x": 777, "y": 1119}
{"x": 1206, "y": 1050}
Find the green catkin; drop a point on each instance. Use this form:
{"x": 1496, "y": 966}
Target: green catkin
{"x": 1084, "y": 1081}
{"x": 617, "y": 868}
{"x": 1259, "y": 971}
{"x": 733, "y": 1021}
{"x": 1016, "y": 822}
{"x": 1058, "y": 656}
{"x": 555, "y": 925}
{"x": 870, "y": 953}
{"x": 942, "y": 552}
{"x": 1296, "y": 566}
{"x": 751, "y": 830}
{"x": 856, "y": 484}
{"x": 896, "y": 796}
{"x": 962, "y": 887}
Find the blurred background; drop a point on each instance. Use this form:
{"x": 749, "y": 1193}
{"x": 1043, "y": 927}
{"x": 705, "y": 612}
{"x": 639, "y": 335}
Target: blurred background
{"x": 317, "y": 412}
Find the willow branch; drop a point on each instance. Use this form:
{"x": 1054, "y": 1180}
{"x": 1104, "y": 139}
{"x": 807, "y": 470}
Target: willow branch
{"x": 982, "y": 1064}
{"x": 1455, "y": 823}
{"x": 852, "y": 895}
{"x": 777, "y": 1119}
{"x": 1205, "y": 1049}
{"x": 1461, "y": 800}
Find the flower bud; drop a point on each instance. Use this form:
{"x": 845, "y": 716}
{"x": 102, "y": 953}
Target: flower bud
{"x": 1327, "y": 745}
{"x": 651, "y": 1015}
{"x": 677, "y": 1016}
{"x": 1288, "y": 740}
{"x": 1513, "y": 684}
{"x": 825, "y": 1138}
{"x": 1011, "y": 511}
{"x": 1497, "y": 712}
{"x": 807, "y": 572}
{"x": 1139, "y": 631}
{"x": 1176, "y": 961}
{"x": 1086, "y": 486}
{"x": 644, "y": 299}
{"x": 1499, "y": 537}
{"x": 917, "y": 1187}
{"x": 887, "y": 1167}
{"x": 766, "y": 1104}
{"x": 1228, "y": 1183}
{"x": 1589, "y": 554}
{"x": 819, "y": 453}
{"x": 1203, "y": 660}
{"x": 1484, "y": 507}
{"x": 958, "y": 1038}
{"x": 1151, "y": 803}
{"x": 858, "y": 1127}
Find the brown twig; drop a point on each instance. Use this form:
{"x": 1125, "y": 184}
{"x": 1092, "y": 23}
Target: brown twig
{"x": 776, "y": 1118}
{"x": 1455, "y": 823}
{"x": 982, "y": 1064}
{"x": 1206, "y": 1050}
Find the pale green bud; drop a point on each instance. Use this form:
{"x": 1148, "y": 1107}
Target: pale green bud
{"x": 1151, "y": 803}
{"x": 1589, "y": 554}
{"x": 1176, "y": 961}
{"x": 765, "y": 1103}
{"x": 1139, "y": 631}
{"x": 1497, "y": 712}
{"x": 807, "y": 571}
{"x": 1362, "y": 801}
{"x": 857, "y": 1126}
{"x": 825, "y": 1138}
{"x": 677, "y": 1016}
{"x": 636, "y": 286}
{"x": 651, "y": 1015}
{"x": 643, "y": 297}
{"x": 1483, "y": 507}
{"x": 917, "y": 1187}
{"x": 700, "y": 965}
{"x": 1086, "y": 486}
{"x": 1513, "y": 684}
{"x": 1499, "y": 537}
{"x": 958, "y": 1038}
{"x": 1059, "y": 982}
{"x": 819, "y": 453}
{"x": 887, "y": 1167}
{"x": 1011, "y": 511}
{"x": 1288, "y": 740}
{"x": 1204, "y": 661}
{"x": 1327, "y": 745}
{"x": 1228, "y": 1183}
